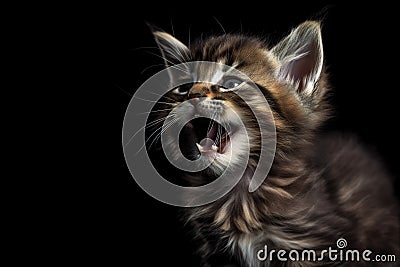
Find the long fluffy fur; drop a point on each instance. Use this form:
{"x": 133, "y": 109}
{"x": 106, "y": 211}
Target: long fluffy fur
{"x": 321, "y": 187}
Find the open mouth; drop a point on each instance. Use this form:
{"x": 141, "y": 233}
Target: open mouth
{"x": 203, "y": 136}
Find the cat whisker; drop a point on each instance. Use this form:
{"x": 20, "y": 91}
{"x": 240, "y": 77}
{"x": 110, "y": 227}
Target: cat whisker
{"x": 123, "y": 90}
{"x": 219, "y": 135}
{"x": 211, "y": 123}
{"x": 169, "y": 98}
{"x": 172, "y": 28}
{"x": 220, "y": 24}
{"x": 163, "y": 129}
{"x": 152, "y": 101}
{"x": 189, "y": 38}
{"x": 146, "y": 126}
{"x": 154, "y": 111}
{"x": 181, "y": 68}
{"x": 171, "y": 63}
{"x": 155, "y": 122}
{"x": 155, "y": 131}
{"x": 152, "y": 66}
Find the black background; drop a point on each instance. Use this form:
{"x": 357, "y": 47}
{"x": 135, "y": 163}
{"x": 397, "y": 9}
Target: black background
{"x": 122, "y": 222}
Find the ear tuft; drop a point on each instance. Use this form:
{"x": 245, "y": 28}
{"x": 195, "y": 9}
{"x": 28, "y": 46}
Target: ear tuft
{"x": 172, "y": 50}
{"x": 301, "y": 57}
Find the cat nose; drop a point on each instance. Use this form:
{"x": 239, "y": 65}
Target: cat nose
{"x": 200, "y": 90}
{"x": 195, "y": 95}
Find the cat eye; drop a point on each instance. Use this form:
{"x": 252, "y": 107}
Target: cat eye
{"x": 183, "y": 89}
{"x": 230, "y": 84}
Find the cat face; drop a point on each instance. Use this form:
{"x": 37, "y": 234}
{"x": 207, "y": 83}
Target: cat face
{"x": 212, "y": 116}
{"x": 224, "y": 128}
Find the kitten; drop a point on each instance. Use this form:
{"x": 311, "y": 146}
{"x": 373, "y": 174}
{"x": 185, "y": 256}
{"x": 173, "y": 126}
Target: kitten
{"x": 321, "y": 187}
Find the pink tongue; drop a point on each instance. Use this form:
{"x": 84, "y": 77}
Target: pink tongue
{"x": 212, "y": 133}
{"x": 206, "y": 143}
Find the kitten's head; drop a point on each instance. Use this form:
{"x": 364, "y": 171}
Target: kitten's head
{"x": 290, "y": 77}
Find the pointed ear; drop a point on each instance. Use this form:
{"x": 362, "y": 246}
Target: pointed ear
{"x": 301, "y": 57}
{"x": 172, "y": 50}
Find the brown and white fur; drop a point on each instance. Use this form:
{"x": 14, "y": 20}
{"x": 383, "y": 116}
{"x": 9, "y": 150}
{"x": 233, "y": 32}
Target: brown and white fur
{"x": 321, "y": 187}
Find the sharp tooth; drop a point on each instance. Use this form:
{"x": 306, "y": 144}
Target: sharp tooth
{"x": 214, "y": 147}
{"x": 199, "y": 147}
